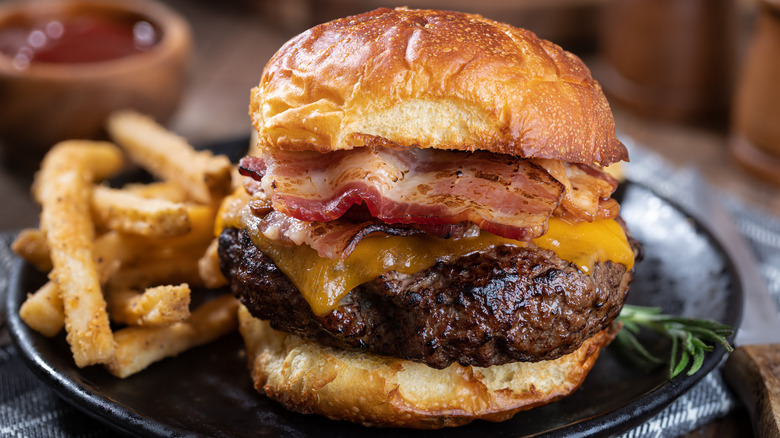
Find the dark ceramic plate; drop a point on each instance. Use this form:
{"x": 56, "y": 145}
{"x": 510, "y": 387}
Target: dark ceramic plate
{"x": 207, "y": 391}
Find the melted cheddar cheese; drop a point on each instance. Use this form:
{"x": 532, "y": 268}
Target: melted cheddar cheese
{"x": 585, "y": 243}
{"x": 323, "y": 282}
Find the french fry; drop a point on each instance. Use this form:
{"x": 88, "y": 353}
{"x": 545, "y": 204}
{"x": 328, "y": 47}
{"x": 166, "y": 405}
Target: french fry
{"x": 152, "y": 260}
{"x": 143, "y": 273}
{"x": 165, "y": 190}
{"x": 205, "y": 177}
{"x": 201, "y": 218}
{"x": 158, "y": 306}
{"x": 208, "y": 267}
{"x": 125, "y": 261}
{"x": 31, "y": 245}
{"x": 110, "y": 254}
{"x": 63, "y": 188}
{"x": 156, "y": 242}
{"x": 131, "y": 251}
{"x": 138, "y": 347}
{"x": 128, "y": 212}
{"x": 43, "y": 310}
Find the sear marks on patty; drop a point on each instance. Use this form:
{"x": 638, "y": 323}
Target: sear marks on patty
{"x": 503, "y": 305}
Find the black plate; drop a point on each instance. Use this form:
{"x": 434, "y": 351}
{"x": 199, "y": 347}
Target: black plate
{"x": 207, "y": 391}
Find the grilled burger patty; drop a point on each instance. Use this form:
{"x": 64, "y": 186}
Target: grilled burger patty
{"x": 503, "y": 305}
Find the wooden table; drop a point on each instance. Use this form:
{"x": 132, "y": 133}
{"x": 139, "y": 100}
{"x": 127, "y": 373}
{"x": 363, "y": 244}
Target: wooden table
{"x": 234, "y": 41}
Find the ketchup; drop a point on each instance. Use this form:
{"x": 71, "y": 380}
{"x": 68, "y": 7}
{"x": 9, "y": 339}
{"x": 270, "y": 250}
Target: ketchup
{"x": 76, "y": 39}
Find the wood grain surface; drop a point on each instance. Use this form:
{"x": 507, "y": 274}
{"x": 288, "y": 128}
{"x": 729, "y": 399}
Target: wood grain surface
{"x": 753, "y": 371}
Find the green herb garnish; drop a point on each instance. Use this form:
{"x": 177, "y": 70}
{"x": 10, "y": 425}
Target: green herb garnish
{"x": 688, "y": 336}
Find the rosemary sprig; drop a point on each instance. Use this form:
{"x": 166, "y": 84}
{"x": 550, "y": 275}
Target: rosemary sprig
{"x": 688, "y": 336}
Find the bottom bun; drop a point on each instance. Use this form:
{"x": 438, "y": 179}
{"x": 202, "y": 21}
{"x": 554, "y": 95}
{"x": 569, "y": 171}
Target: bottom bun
{"x": 389, "y": 392}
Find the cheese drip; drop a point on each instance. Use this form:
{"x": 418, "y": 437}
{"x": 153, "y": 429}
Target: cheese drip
{"x": 585, "y": 243}
{"x": 323, "y": 282}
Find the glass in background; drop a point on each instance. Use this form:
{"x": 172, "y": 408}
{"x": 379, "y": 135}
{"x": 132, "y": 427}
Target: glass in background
{"x": 755, "y": 142}
{"x": 670, "y": 59}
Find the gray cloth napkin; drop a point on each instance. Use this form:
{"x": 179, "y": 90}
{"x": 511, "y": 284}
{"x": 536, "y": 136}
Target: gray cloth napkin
{"x": 30, "y": 409}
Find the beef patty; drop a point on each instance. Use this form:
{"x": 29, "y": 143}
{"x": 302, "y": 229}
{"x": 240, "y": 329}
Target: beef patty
{"x": 503, "y": 305}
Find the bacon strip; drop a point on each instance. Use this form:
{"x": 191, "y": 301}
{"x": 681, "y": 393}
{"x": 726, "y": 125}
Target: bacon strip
{"x": 588, "y": 190}
{"x": 504, "y": 195}
{"x": 337, "y": 239}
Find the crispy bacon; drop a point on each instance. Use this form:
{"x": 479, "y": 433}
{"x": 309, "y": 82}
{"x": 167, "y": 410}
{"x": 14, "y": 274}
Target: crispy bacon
{"x": 588, "y": 190}
{"x": 337, "y": 239}
{"x": 505, "y": 195}
{"x": 415, "y": 191}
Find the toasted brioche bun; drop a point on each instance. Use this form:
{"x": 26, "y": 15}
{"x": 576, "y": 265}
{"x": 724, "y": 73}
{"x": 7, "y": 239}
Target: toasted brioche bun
{"x": 388, "y": 392}
{"x": 432, "y": 79}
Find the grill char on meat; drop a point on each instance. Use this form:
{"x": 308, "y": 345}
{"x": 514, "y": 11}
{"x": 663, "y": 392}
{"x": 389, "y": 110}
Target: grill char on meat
{"x": 503, "y": 305}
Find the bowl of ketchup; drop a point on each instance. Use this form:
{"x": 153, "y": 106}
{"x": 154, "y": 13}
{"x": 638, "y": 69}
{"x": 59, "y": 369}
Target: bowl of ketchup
{"x": 66, "y": 64}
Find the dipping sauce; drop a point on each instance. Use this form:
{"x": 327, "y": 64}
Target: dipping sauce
{"x": 86, "y": 37}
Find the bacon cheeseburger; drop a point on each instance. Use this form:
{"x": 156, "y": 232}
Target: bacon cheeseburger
{"x": 426, "y": 235}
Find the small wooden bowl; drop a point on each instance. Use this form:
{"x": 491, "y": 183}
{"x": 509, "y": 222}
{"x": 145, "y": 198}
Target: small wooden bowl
{"x": 48, "y": 102}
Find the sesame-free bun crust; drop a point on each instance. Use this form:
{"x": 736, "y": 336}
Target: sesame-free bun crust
{"x": 380, "y": 391}
{"x": 426, "y": 78}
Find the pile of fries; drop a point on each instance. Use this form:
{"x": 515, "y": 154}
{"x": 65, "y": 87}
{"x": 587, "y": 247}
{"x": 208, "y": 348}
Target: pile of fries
{"x": 121, "y": 262}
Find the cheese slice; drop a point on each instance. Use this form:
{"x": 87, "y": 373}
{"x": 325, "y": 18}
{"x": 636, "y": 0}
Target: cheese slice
{"x": 585, "y": 243}
{"x": 323, "y": 282}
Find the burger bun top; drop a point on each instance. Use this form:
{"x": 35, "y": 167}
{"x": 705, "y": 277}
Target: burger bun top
{"x": 432, "y": 79}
